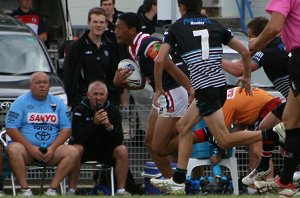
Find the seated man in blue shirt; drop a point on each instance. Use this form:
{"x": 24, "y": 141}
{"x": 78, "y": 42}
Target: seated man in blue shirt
{"x": 36, "y": 118}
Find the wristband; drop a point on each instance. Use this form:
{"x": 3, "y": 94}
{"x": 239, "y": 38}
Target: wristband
{"x": 110, "y": 128}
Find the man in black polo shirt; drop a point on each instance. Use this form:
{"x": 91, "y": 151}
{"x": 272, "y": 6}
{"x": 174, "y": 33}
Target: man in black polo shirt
{"x": 91, "y": 58}
{"x": 148, "y": 14}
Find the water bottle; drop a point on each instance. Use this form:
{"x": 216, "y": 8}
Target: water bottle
{"x": 217, "y": 170}
{"x": 43, "y": 148}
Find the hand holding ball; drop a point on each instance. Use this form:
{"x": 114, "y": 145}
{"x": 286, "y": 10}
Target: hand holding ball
{"x": 135, "y": 79}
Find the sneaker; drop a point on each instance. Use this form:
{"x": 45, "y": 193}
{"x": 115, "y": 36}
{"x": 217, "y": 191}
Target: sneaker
{"x": 50, "y": 192}
{"x": 71, "y": 192}
{"x": 168, "y": 186}
{"x": 123, "y": 193}
{"x": 274, "y": 186}
{"x": 255, "y": 176}
{"x": 280, "y": 130}
{"x": 296, "y": 179}
{"x": 2, "y": 194}
{"x": 26, "y": 193}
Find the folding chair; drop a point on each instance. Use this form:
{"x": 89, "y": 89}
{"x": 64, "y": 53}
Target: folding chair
{"x": 96, "y": 166}
{"x": 4, "y": 138}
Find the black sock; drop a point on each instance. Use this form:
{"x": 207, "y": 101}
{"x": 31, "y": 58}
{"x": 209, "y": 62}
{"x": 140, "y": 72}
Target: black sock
{"x": 264, "y": 161}
{"x": 179, "y": 175}
{"x": 1, "y": 182}
{"x": 289, "y": 167}
{"x": 269, "y": 135}
{"x": 291, "y": 155}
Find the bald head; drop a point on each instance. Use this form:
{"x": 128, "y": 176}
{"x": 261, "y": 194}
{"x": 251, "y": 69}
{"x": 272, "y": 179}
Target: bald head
{"x": 39, "y": 85}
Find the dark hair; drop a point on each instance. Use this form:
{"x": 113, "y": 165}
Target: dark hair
{"x": 114, "y": 2}
{"x": 192, "y": 6}
{"x": 96, "y": 11}
{"x": 147, "y": 5}
{"x": 257, "y": 25}
{"x": 132, "y": 20}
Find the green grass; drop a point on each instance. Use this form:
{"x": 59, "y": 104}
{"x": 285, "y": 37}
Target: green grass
{"x": 181, "y": 196}
{"x": 185, "y": 196}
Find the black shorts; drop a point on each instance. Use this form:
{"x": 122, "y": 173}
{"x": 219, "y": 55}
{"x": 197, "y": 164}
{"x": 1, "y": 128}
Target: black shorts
{"x": 211, "y": 99}
{"x": 278, "y": 111}
{"x": 294, "y": 71}
{"x": 104, "y": 156}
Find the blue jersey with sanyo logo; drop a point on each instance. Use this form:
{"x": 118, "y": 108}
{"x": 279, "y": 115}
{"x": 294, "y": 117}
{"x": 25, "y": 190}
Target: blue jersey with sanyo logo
{"x": 38, "y": 121}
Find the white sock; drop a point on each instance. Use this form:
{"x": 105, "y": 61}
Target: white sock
{"x": 251, "y": 190}
{"x": 121, "y": 190}
{"x": 72, "y": 190}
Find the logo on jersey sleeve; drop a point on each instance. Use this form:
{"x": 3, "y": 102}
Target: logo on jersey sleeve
{"x": 49, "y": 118}
{"x": 153, "y": 50}
{"x": 231, "y": 93}
{"x": 12, "y": 116}
{"x": 257, "y": 56}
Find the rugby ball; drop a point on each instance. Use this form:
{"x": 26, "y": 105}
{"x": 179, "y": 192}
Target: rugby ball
{"x": 135, "y": 79}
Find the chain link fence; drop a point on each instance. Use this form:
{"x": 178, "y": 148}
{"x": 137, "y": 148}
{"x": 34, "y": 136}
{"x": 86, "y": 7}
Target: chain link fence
{"x": 134, "y": 126}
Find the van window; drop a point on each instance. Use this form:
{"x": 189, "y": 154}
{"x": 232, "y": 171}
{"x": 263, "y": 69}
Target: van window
{"x": 28, "y": 56}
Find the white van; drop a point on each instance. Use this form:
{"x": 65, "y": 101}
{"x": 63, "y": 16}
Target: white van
{"x": 56, "y": 15}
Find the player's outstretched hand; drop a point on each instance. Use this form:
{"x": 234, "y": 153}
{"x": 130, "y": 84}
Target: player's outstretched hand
{"x": 245, "y": 85}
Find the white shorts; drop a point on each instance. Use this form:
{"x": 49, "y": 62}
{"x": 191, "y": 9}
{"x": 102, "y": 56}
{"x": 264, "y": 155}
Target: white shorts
{"x": 174, "y": 104}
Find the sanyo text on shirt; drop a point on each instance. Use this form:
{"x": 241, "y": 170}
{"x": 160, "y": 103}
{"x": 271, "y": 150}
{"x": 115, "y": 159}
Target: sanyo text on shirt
{"x": 50, "y": 118}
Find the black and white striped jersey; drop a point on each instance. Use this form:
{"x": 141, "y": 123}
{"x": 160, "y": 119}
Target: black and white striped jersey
{"x": 274, "y": 59}
{"x": 199, "y": 41}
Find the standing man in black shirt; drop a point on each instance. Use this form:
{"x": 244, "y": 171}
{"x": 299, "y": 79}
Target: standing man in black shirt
{"x": 91, "y": 58}
{"x": 111, "y": 12}
{"x": 148, "y": 16}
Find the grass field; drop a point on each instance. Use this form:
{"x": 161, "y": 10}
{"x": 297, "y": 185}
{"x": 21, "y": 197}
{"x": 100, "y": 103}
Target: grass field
{"x": 169, "y": 196}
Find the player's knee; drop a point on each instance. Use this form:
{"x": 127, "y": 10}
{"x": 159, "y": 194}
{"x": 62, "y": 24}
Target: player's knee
{"x": 121, "y": 152}
{"x": 181, "y": 127}
{"x": 159, "y": 151}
